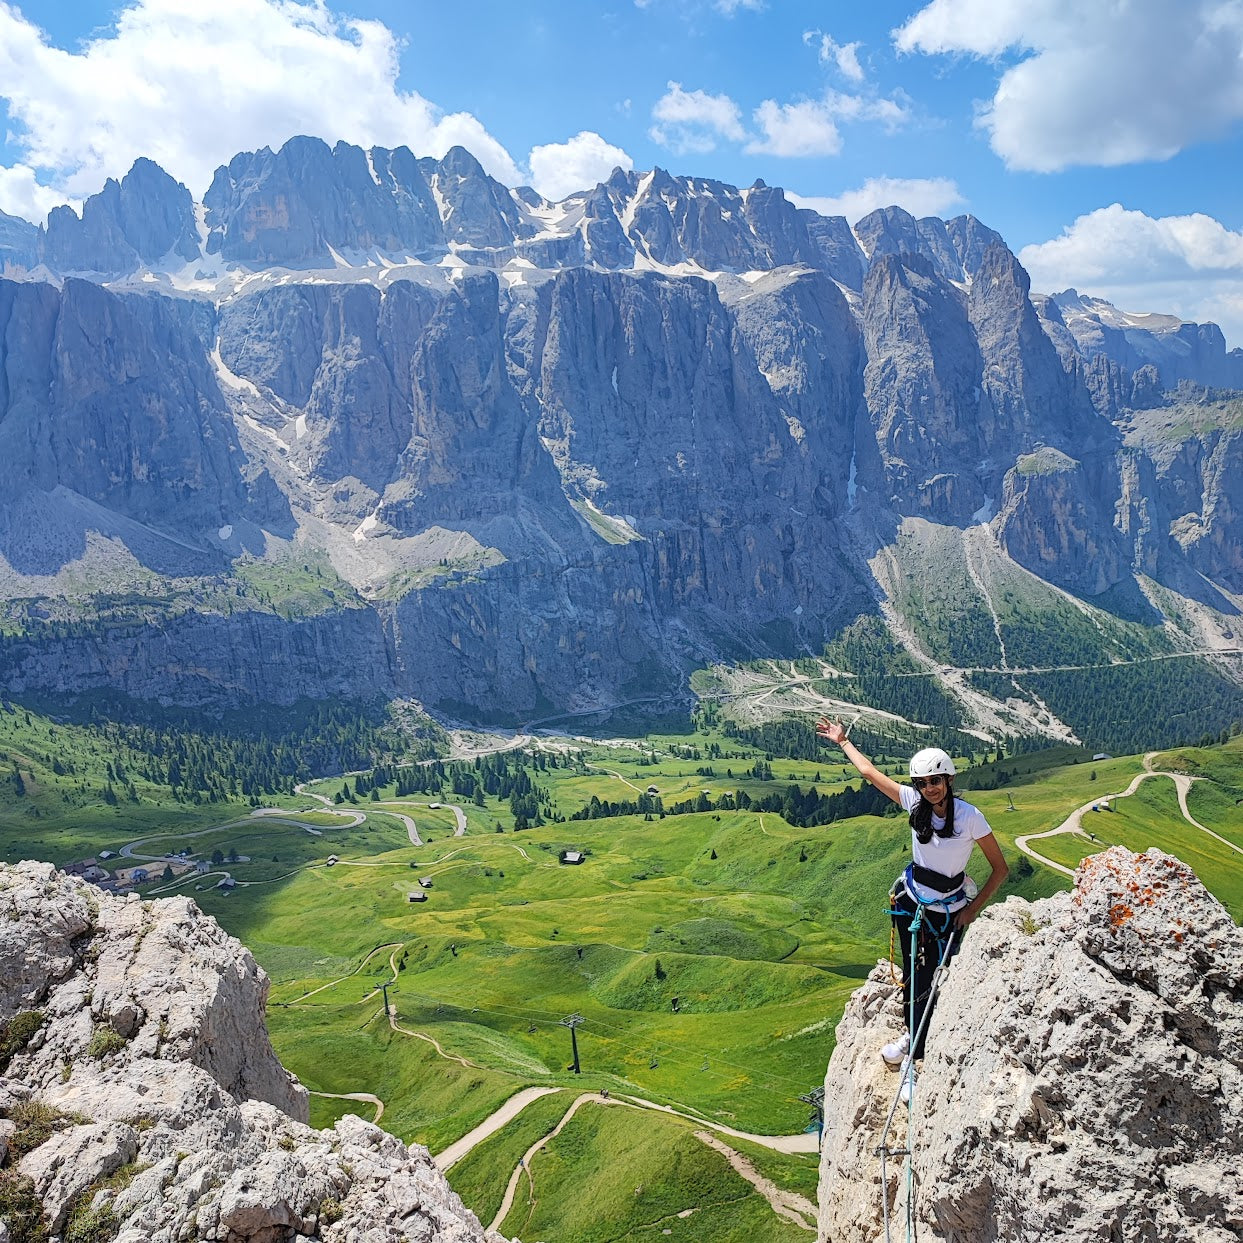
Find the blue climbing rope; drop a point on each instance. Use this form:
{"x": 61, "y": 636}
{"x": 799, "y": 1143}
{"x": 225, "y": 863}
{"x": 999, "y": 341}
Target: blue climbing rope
{"x": 945, "y": 944}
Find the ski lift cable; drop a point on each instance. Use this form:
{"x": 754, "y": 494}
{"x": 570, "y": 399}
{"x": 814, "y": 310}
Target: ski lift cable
{"x": 773, "y": 1078}
{"x": 617, "y": 1033}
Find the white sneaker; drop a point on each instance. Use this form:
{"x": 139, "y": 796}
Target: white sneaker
{"x": 908, "y": 1084}
{"x": 894, "y": 1053}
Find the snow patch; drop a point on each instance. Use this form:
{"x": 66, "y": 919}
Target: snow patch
{"x": 299, "y": 427}
{"x": 225, "y": 531}
{"x": 984, "y": 514}
{"x": 442, "y": 204}
{"x": 230, "y": 379}
{"x": 616, "y": 530}
{"x": 628, "y": 212}
{"x": 365, "y": 527}
{"x": 614, "y": 379}
{"x": 851, "y": 486}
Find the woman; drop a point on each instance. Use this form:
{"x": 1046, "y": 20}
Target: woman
{"x": 944, "y": 830}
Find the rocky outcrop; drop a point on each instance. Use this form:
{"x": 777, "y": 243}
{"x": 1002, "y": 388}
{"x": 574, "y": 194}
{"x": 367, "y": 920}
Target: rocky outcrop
{"x": 922, "y": 385}
{"x": 19, "y": 242}
{"x": 1084, "y": 1074}
{"x": 892, "y": 231}
{"x": 1057, "y": 520}
{"x": 141, "y": 1091}
{"x": 1178, "y": 350}
{"x": 1198, "y": 482}
{"x": 210, "y": 660}
{"x": 143, "y": 220}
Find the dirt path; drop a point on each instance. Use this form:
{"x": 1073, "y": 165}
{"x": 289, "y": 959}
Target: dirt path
{"x": 524, "y": 1165}
{"x": 449, "y": 1057}
{"x": 788, "y": 1204}
{"x": 490, "y": 1125}
{"x": 1182, "y": 783}
{"x": 1074, "y": 822}
{"x": 785, "y": 1203}
{"x": 352, "y": 974}
{"x": 805, "y": 1141}
{"x": 624, "y": 780}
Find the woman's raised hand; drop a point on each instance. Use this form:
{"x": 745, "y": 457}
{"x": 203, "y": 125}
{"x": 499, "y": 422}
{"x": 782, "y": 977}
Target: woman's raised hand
{"x": 832, "y": 730}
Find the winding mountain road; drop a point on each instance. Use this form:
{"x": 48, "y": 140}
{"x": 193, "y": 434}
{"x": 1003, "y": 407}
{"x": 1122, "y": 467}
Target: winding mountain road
{"x": 1074, "y": 822}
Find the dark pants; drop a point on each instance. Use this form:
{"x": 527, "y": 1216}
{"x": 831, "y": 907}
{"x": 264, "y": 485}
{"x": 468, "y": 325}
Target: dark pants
{"x": 936, "y": 924}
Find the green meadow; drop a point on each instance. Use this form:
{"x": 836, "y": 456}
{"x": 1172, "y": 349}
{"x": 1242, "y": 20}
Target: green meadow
{"x": 706, "y": 956}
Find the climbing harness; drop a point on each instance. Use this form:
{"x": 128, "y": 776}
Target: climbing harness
{"x": 945, "y": 948}
{"x": 964, "y": 890}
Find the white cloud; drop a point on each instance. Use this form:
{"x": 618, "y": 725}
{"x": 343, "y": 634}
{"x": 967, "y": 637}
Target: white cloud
{"x": 1095, "y": 83}
{"x": 844, "y": 55}
{"x": 694, "y": 121}
{"x": 190, "y": 85}
{"x": 935, "y": 196}
{"x": 891, "y": 113}
{"x": 22, "y": 195}
{"x": 800, "y": 129}
{"x": 559, "y": 169}
{"x": 1191, "y": 266}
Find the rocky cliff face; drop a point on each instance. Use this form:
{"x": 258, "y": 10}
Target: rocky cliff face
{"x": 143, "y": 220}
{"x": 139, "y": 1089}
{"x": 1178, "y": 351}
{"x": 1083, "y": 1076}
{"x": 114, "y": 398}
{"x": 19, "y": 242}
{"x": 563, "y": 451}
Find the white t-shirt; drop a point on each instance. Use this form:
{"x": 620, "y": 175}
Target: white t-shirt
{"x": 947, "y": 855}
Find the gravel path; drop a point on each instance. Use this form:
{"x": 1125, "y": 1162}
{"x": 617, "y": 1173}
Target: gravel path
{"x": 1074, "y": 822}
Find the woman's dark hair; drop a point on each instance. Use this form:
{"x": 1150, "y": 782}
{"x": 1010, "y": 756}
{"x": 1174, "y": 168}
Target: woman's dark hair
{"x": 921, "y": 817}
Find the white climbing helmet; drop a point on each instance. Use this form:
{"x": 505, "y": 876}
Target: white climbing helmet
{"x": 930, "y": 761}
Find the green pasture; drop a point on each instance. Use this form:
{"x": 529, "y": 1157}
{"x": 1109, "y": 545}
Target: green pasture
{"x": 481, "y": 1176}
{"x": 1151, "y": 817}
{"x": 709, "y": 955}
{"x": 610, "y": 1175}
{"x": 326, "y": 1113}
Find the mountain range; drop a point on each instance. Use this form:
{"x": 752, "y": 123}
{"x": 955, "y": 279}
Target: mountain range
{"x": 364, "y": 424}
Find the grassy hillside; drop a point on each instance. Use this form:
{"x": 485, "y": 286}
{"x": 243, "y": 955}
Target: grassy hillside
{"x": 708, "y": 955}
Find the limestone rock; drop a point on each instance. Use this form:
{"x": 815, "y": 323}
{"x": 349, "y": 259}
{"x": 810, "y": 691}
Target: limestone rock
{"x": 144, "y": 218}
{"x": 164, "y": 1103}
{"x": 1084, "y": 1076}
{"x": 19, "y": 242}
{"x": 651, "y": 471}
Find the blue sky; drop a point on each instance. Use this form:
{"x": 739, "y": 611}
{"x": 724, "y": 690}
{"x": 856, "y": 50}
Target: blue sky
{"x": 1102, "y": 138}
